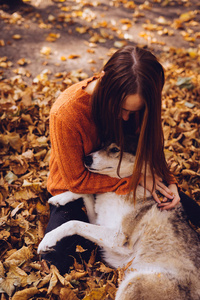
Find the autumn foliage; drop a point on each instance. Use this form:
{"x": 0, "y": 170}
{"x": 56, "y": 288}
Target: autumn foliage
{"x": 25, "y": 151}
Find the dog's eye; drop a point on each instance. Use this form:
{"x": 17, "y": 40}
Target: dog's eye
{"x": 114, "y": 150}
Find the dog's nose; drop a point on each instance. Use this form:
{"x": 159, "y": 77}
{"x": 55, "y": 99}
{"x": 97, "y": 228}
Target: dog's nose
{"x": 88, "y": 160}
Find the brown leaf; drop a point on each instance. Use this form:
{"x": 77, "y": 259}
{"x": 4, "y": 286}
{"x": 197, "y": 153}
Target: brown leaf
{"x": 96, "y": 294}
{"x": 18, "y": 274}
{"x": 73, "y": 56}
{"x": 25, "y": 194}
{"x": 66, "y": 293}
{"x": 19, "y": 257}
{"x": 80, "y": 249}
{"x": 105, "y": 269}
{"x": 9, "y": 284}
{"x": 25, "y": 294}
{"x": 40, "y": 283}
{"x": 27, "y": 97}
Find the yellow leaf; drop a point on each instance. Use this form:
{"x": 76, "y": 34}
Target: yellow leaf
{"x": 80, "y": 249}
{"x": 51, "y": 18}
{"x": 45, "y": 50}
{"x": 96, "y": 294}
{"x": 2, "y": 43}
{"x": 146, "y": 5}
{"x": 126, "y": 21}
{"x": 152, "y": 27}
{"x": 63, "y": 58}
{"x": 119, "y": 44}
{"x": 82, "y": 30}
{"x": 24, "y": 194}
{"x": 90, "y": 50}
{"x": 91, "y": 61}
{"x": 162, "y": 21}
{"x": 185, "y": 17}
{"x": 52, "y": 37}
{"x": 16, "y": 37}
{"x": 130, "y": 4}
{"x": 73, "y": 56}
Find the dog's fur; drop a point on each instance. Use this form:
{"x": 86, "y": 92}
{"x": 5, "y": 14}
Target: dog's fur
{"x": 161, "y": 246}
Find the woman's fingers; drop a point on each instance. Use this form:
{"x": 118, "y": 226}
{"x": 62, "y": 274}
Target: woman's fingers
{"x": 174, "y": 202}
{"x": 164, "y": 190}
{"x": 155, "y": 196}
{"x": 166, "y": 197}
{"x": 169, "y": 205}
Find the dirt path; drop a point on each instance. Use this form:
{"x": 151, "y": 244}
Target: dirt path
{"x": 60, "y": 36}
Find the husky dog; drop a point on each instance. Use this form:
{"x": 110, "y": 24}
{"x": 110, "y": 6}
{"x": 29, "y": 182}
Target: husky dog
{"x": 161, "y": 249}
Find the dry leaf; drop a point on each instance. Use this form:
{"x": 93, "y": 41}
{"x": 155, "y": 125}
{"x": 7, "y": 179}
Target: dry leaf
{"x": 16, "y": 37}
{"x": 24, "y": 139}
{"x": 19, "y": 257}
{"x": 73, "y": 56}
{"x": 66, "y": 293}
{"x": 25, "y": 294}
{"x": 45, "y": 50}
{"x": 105, "y": 269}
{"x": 80, "y": 249}
{"x": 96, "y": 294}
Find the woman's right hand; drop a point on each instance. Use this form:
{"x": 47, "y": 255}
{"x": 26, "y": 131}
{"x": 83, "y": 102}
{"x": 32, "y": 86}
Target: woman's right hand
{"x": 159, "y": 187}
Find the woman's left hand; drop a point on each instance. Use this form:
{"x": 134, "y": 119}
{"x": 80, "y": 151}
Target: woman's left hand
{"x": 166, "y": 204}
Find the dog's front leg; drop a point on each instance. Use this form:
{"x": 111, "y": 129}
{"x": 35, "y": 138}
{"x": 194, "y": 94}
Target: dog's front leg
{"x": 103, "y": 236}
{"x": 64, "y": 198}
{"x": 68, "y": 197}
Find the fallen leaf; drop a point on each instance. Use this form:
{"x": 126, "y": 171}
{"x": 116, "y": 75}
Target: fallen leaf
{"x": 73, "y": 56}
{"x": 16, "y": 36}
{"x": 96, "y": 294}
{"x": 19, "y": 257}
{"x": 66, "y": 293}
{"x": 45, "y": 50}
{"x": 25, "y": 294}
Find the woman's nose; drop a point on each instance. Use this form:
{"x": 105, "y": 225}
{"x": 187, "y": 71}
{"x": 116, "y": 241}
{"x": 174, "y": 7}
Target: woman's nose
{"x": 125, "y": 115}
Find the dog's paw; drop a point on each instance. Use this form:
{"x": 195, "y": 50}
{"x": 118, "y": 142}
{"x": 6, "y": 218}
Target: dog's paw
{"x": 56, "y": 200}
{"x": 47, "y": 243}
{"x": 63, "y": 198}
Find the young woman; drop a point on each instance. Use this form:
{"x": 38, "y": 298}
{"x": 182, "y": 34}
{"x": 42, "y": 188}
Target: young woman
{"x": 124, "y": 99}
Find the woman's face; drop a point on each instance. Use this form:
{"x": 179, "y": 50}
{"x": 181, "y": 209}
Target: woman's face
{"x": 131, "y": 104}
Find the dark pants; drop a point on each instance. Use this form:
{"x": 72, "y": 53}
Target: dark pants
{"x": 65, "y": 250}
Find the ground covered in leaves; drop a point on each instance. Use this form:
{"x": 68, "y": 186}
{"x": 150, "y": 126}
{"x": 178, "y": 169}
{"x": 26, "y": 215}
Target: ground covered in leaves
{"x": 26, "y": 99}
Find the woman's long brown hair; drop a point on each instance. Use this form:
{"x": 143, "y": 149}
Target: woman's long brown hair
{"x": 133, "y": 70}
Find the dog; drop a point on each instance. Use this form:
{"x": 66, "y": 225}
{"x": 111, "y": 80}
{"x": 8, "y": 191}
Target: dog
{"x": 160, "y": 247}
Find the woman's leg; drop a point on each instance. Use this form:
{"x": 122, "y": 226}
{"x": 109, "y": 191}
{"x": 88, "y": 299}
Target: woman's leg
{"x": 192, "y": 209}
{"x": 65, "y": 250}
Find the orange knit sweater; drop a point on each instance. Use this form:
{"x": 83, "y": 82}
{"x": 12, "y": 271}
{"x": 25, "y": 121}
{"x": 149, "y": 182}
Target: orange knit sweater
{"x": 74, "y": 135}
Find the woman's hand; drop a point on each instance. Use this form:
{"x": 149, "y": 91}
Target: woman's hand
{"x": 166, "y": 204}
{"x": 170, "y": 193}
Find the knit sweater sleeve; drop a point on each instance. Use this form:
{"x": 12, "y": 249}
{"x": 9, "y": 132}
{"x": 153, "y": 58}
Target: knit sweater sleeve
{"x": 69, "y": 148}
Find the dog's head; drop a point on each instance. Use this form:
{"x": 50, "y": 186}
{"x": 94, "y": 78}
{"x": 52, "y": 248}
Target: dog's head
{"x": 106, "y": 160}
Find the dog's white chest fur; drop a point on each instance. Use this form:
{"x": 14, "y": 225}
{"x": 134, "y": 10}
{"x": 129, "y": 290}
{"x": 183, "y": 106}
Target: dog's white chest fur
{"x": 111, "y": 210}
